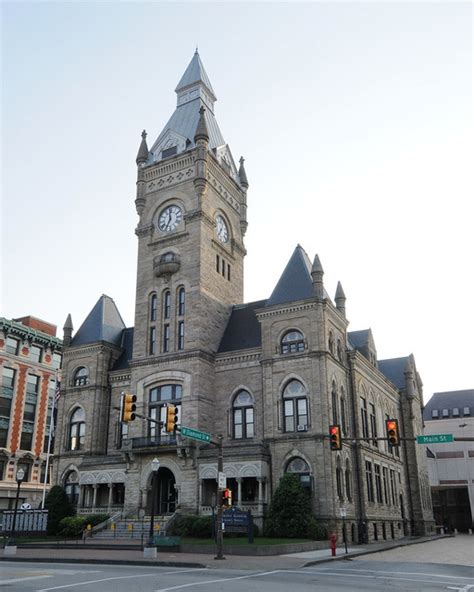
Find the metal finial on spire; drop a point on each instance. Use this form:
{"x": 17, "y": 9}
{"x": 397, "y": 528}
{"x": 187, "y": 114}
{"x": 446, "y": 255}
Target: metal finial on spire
{"x": 242, "y": 174}
{"x": 201, "y": 130}
{"x": 142, "y": 155}
{"x": 197, "y": 49}
{"x": 144, "y": 134}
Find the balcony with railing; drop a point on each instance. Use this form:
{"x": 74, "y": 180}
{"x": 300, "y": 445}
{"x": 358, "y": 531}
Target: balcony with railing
{"x": 149, "y": 443}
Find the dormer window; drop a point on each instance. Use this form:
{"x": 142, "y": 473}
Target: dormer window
{"x": 455, "y": 411}
{"x": 445, "y": 412}
{"x": 434, "y": 414}
{"x": 169, "y": 152}
{"x": 467, "y": 411}
{"x": 292, "y": 342}
{"x": 81, "y": 377}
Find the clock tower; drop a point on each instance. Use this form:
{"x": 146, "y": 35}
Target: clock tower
{"x": 191, "y": 203}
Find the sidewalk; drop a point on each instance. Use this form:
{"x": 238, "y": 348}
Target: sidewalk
{"x": 84, "y": 554}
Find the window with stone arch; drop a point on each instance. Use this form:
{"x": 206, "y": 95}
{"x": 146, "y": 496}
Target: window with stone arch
{"x": 153, "y": 307}
{"x": 339, "y": 350}
{"x": 348, "y": 481}
{"x": 71, "y": 487}
{"x": 77, "y": 429}
{"x": 181, "y": 301}
{"x": 295, "y": 407}
{"x": 334, "y": 403}
{"x": 81, "y": 376}
{"x": 243, "y": 416}
{"x": 299, "y": 467}
{"x": 339, "y": 479}
{"x": 342, "y": 405}
{"x": 331, "y": 342}
{"x": 158, "y": 399}
{"x": 292, "y": 342}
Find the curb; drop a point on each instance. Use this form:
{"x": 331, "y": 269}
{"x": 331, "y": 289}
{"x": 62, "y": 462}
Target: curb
{"x": 105, "y": 562}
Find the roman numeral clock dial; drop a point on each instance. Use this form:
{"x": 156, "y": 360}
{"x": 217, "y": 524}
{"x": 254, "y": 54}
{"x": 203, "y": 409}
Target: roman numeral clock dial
{"x": 169, "y": 218}
{"x": 221, "y": 229}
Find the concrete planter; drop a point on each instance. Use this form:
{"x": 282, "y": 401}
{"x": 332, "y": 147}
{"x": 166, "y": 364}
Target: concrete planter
{"x": 149, "y": 552}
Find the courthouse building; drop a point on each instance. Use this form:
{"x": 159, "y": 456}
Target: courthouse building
{"x": 270, "y": 376}
{"x": 30, "y": 357}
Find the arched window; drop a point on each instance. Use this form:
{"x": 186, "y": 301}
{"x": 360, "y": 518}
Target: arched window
{"x": 339, "y": 350}
{"x": 342, "y": 403}
{"x": 334, "y": 402}
{"x": 243, "y": 423}
{"x": 71, "y": 487}
{"x": 339, "y": 484}
{"x": 81, "y": 377}
{"x": 77, "y": 429}
{"x": 295, "y": 407}
{"x": 331, "y": 342}
{"x": 167, "y": 304}
{"x": 153, "y": 307}
{"x": 300, "y": 467}
{"x": 292, "y": 342}
{"x": 348, "y": 481}
{"x": 158, "y": 398}
{"x": 181, "y": 301}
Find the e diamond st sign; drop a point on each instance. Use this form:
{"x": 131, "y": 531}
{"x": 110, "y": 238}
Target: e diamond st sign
{"x": 435, "y": 439}
{"x": 195, "y": 434}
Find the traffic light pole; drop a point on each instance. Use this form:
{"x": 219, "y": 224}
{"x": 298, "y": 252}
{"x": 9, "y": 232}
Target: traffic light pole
{"x": 220, "y": 469}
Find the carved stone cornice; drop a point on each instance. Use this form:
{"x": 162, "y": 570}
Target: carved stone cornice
{"x": 166, "y": 359}
{"x": 172, "y": 172}
{"x": 239, "y": 358}
{"x": 283, "y": 309}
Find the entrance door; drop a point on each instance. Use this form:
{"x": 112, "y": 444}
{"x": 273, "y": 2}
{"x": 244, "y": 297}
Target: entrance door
{"x": 166, "y": 492}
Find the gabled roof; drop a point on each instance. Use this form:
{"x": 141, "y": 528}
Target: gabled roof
{"x": 295, "y": 282}
{"x": 243, "y": 329}
{"x": 103, "y": 323}
{"x": 394, "y": 369}
{"x": 126, "y": 342}
{"x": 450, "y": 400}
{"x": 359, "y": 339}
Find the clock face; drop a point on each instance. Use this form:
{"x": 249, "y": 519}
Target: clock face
{"x": 221, "y": 229}
{"x": 169, "y": 218}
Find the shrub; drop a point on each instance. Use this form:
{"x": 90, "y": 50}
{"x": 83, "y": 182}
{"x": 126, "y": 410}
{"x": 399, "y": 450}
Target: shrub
{"x": 193, "y": 526}
{"x": 58, "y": 505}
{"x": 94, "y": 519}
{"x": 72, "y": 526}
{"x": 290, "y": 513}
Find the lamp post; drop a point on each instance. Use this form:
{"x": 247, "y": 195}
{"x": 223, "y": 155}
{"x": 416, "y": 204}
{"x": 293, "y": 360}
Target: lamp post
{"x": 155, "y": 465}
{"x": 20, "y": 475}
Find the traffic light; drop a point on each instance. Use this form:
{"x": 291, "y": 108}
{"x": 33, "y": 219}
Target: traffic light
{"x": 171, "y": 418}
{"x": 335, "y": 437}
{"x": 393, "y": 435}
{"x": 227, "y": 498}
{"x": 128, "y": 407}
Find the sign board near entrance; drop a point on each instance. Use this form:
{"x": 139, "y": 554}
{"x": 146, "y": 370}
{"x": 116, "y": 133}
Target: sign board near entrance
{"x": 435, "y": 439}
{"x": 222, "y": 481}
{"x": 195, "y": 434}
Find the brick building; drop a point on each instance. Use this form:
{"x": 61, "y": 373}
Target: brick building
{"x": 269, "y": 375}
{"x": 30, "y": 357}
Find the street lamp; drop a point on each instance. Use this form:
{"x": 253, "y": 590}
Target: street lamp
{"x": 155, "y": 465}
{"x": 20, "y": 475}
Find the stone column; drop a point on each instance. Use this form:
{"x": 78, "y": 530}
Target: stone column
{"x": 239, "y": 490}
{"x": 111, "y": 488}
{"x": 94, "y": 496}
{"x": 260, "y": 490}
{"x": 80, "y": 503}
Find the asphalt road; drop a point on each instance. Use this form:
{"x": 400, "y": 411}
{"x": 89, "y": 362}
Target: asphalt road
{"x": 344, "y": 576}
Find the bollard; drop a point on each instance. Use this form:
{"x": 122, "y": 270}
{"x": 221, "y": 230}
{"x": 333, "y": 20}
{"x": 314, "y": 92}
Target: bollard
{"x": 441, "y": 530}
{"x": 469, "y": 531}
{"x": 455, "y": 531}
{"x": 333, "y": 541}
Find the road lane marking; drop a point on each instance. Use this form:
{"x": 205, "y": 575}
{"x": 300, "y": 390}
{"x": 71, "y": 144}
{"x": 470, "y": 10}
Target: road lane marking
{"x": 353, "y": 575}
{"x": 406, "y": 573}
{"x": 154, "y": 574}
{"x": 180, "y": 586}
{"x": 465, "y": 589}
{"x": 24, "y": 579}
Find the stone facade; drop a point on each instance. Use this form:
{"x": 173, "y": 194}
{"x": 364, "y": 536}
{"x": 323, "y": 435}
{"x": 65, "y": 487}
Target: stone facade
{"x": 269, "y": 376}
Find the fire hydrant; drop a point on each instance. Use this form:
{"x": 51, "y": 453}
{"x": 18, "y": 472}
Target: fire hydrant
{"x": 333, "y": 541}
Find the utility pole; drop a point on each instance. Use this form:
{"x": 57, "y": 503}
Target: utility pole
{"x": 220, "y": 469}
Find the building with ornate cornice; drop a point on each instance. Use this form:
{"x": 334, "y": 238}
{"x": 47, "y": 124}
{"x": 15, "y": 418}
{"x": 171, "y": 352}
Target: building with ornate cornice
{"x": 30, "y": 358}
{"x": 270, "y": 376}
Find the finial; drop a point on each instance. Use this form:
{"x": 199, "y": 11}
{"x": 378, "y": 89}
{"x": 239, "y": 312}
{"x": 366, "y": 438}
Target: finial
{"x": 142, "y": 155}
{"x": 144, "y": 134}
{"x": 201, "y": 110}
{"x": 201, "y": 130}
{"x": 197, "y": 50}
{"x": 242, "y": 174}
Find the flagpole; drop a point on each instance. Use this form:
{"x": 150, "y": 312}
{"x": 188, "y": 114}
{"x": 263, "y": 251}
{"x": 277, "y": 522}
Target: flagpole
{"x": 51, "y": 428}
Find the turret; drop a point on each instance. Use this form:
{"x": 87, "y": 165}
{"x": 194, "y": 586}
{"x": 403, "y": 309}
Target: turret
{"x": 317, "y": 273}
{"x": 142, "y": 155}
{"x": 201, "y": 139}
{"x": 340, "y": 299}
{"x": 67, "y": 331}
{"x": 142, "y": 158}
{"x": 245, "y": 185}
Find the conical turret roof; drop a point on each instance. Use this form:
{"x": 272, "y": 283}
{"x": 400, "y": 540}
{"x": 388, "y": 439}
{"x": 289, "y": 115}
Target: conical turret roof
{"x": 103, "y": 323}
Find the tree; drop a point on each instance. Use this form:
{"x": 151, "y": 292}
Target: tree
{"x": 58, "y": 505}
{"x": 290, "y": 513}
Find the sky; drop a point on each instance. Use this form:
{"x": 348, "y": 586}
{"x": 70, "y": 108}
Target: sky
{"x": 355, "y": 120}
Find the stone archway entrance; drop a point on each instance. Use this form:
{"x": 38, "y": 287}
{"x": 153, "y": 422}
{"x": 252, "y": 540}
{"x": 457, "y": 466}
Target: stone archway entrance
{"x": 165, "y": 492}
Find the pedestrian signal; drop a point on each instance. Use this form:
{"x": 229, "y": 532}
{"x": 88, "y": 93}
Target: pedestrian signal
{"x": 335, "y": 437}
{"x": 227, "y": 498}
{"x": 393, "y": 435}
{"x": 128, "y": 407}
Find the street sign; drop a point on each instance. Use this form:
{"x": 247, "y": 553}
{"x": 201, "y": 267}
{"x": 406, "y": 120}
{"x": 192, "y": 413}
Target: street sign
{"x": 435, "y": 439}
{"x": 195, "y": 434}
{"x": 222, "y": 481}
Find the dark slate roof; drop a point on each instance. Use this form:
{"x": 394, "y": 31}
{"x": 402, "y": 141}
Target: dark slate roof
{"x": 449, "y": 400}
{"x": 295, "y": 282}
{"x": 243, "y": 329}
{"x": 103, "y": 323}
{"x": 359, "y": 339}
{"x": 394, "y": 370}
{"x": 193, "y": 74}
{"x": 126, "y": 342}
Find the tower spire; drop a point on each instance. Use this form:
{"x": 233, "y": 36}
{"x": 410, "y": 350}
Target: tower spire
{"x": 142, "y": 155}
